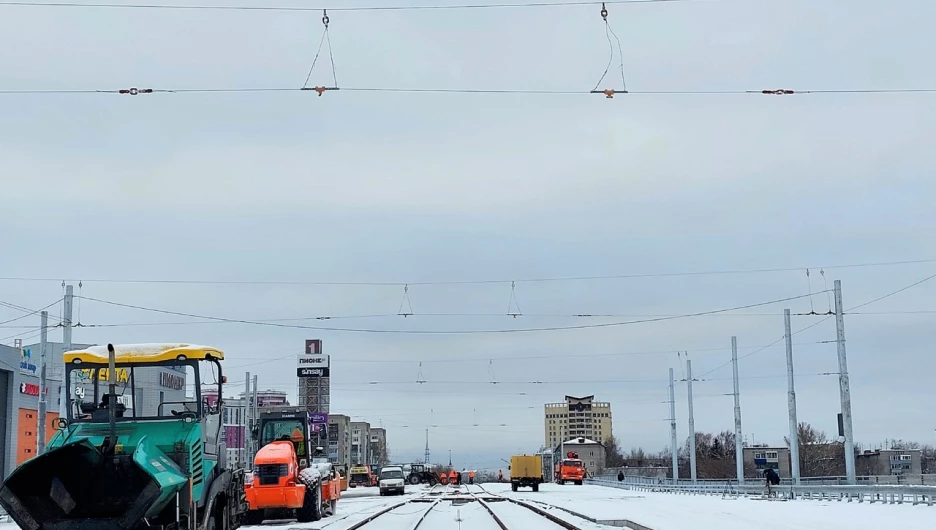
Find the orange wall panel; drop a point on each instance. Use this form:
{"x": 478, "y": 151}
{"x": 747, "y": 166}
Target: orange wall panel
{"x": 26, "y": 435}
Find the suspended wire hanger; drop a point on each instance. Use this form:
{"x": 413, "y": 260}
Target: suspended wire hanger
{"x": 825, "y": 283}
{"x": 812, "y": 310}
{"x": 406, "y": 302}
{"x": 78, "y": 319}
{"x": 491, "y": 372}
{"x": 326, "y": 38}
{"x": 609, "y": 92}
{"x": 512, "y": 303}
{"x": 420, "y": 378}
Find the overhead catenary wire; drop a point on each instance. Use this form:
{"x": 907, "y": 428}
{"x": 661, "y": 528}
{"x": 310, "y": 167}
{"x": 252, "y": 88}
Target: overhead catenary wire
{"x": 29, "y": 312}
{"x": 134, "y": 91}
{"x": 542, "y": 279}
{"x": 396, "y": 7}
{"x": 826, "y": 317}
{"x": 447, "y": 332}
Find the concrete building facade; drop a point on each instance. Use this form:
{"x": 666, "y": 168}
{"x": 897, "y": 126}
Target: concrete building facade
{"x": 575, "y": 417}
{"x": 889, "y": 462}
{"x": 339, "y": 438}
{"x": 757, "y": 459}
{"x": 591, "y": 452}
{"x": 378, "y": 447}
{"x": 360, "y": 442}
{"x": 19, "y": 406}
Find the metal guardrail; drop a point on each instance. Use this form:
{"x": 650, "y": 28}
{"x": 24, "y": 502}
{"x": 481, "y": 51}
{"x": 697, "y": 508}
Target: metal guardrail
{"x": 871, "y": 493}
{"x": 898, "y": 480}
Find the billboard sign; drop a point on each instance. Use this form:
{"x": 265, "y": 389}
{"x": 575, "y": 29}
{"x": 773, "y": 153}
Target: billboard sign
{"x": 312, "y": 372}
{"x": 314, "y": 361}
{"x": 319, "y": 417}
{"x": 27, "y": 366}
{"x": 313, "y": 346}
{"x": 313, "y": 365}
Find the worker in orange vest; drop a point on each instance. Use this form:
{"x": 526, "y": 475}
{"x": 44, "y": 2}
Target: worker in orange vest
{"x": 453, "y": 477}
{"x": 443, "y": 478}
{"x": 471, "y": 477}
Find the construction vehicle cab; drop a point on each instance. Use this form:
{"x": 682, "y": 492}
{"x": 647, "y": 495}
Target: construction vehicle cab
{"x": 526, "y": 471}
{"x": 361, "y": 476}
{"x": 130, "y": 457}
{"x": 291, "y": 480}
{"x": 421, "y": 474}
{"x": 570, "y": 469}
{"x": 342, "y": 470}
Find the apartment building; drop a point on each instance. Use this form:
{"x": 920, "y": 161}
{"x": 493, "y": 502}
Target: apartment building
{"x": 576, "y": 417}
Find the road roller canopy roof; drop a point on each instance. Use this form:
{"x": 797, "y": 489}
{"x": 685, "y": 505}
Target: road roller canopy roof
{"x": 143, "y": 353}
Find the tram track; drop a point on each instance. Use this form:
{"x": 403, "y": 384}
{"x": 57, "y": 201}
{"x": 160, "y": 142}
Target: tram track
{"x": 516, "y": 517}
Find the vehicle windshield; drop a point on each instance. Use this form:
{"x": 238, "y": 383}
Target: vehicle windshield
{"x": 391, "y": 473}
{"x": 289, "y": 430}
{"x": 166, "y": 390}
{"x": 572, "y": 463}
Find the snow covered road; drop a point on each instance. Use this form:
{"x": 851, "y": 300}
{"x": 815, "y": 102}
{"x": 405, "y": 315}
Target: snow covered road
{"x": 655, "y": 511}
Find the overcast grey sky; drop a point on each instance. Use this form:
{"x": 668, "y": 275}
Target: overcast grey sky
{"x": 397, "y": 187}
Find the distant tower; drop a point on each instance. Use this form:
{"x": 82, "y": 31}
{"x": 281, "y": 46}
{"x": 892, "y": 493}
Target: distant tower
{"x": 427, "y": 446}
{"x": 450, "y": 458}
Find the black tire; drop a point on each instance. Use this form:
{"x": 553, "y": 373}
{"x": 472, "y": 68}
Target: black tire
{"x": 253, "y": 517}
{"x": 535, "y": 487}
{"x": 514, "y": 486}
{"x": 413, "y": 479}
{"x": 311, "y": 509}
{"x": 433, "y": 481}
{"x": 578, "y": 482}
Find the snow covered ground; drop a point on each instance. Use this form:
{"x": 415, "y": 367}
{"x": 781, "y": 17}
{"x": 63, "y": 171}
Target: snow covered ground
{"x": 657, "y": 511}
{"x": 663, "y": 511}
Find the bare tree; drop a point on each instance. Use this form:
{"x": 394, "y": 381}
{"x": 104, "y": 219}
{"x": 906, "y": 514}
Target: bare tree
{"x": 613, "y": 455}
{"x": 817, "y": 455}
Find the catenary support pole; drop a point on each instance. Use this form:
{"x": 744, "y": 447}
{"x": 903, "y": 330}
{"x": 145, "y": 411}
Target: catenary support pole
{"x": 692, "y": 441}
{"x": 739, "y": 440}
{"x": 674, "y": 444}
{"x": 248, "y": 435}
{"x": 255, "y": 416}
{"x": 43, "y": 347}
{"x": 791, "y": 400}
{"x": 64, "y": 390}
{"x": 844, "y": 387}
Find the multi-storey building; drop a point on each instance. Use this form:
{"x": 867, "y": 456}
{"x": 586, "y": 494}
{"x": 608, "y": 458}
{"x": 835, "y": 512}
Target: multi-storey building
{"x": 339, "y": 438}
{"x": 575, "y": 417}
{"x": 360, "y": 442}
{"x": 377, "y": 451}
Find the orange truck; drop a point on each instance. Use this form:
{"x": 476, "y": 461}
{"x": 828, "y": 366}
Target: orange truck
{"x": 570, "y": 469}
{"x": 288, "y": 482}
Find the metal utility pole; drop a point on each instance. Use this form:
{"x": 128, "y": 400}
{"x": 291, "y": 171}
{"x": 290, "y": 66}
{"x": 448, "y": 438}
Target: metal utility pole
{"x": 248, "y": 435}
{"x": 43, "y": 346}
{"x": 674, "y": 448}
{"x": 255, "y": 416}
{"x": 64, "y": 391}
{"x": 844, "y": 388}
{"x": 112, "y": 397}
{"x": 692, "y": 444}
{"x": 791, "y": 400}
{"x": 427, "y": 447}
{"x": 739, "y": 445}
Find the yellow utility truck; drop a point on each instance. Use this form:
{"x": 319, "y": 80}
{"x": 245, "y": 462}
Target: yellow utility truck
{"x": 526, "y": 471}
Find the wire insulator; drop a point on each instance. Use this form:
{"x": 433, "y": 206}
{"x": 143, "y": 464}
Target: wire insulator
{"x": 325, "y": 18}
{"x": 135, "y": 91}
{"x": 778, "y": 92}
{"x": 604, "y": 12}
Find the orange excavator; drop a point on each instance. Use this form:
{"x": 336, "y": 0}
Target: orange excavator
{"x": 288, "y": 482}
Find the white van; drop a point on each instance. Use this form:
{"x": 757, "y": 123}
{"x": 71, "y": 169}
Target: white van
{"x": 392, "y": 480}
